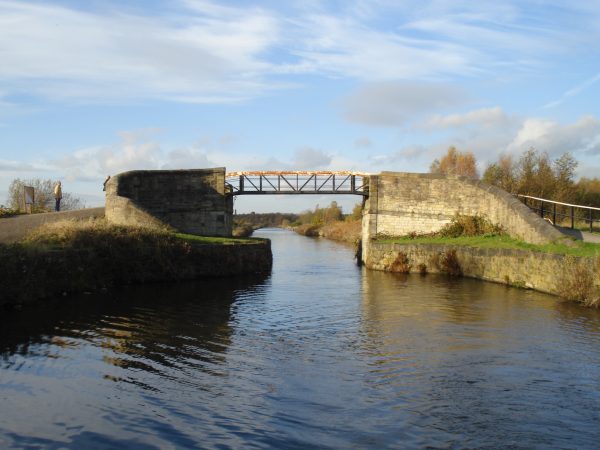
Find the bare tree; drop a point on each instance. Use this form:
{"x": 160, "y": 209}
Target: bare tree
{"x": 44, "y": 196}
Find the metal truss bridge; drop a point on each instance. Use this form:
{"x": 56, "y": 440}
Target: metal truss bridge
{"x": 297, "y": 182}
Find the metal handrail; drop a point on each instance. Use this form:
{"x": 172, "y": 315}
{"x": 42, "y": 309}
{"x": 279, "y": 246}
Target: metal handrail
{"x": 554, "y": 213}
{"x": 545, "y": 200}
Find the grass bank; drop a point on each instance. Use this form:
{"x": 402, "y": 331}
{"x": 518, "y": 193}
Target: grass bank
{"x": 76, "y": 256}
{"x": 577, "y": 248}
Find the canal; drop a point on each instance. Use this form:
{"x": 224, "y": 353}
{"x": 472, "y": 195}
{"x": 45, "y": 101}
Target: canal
{"x": 319, "y": 354}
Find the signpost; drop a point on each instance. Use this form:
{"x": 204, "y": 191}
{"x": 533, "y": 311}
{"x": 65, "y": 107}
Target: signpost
{"x": 29, "y": 198}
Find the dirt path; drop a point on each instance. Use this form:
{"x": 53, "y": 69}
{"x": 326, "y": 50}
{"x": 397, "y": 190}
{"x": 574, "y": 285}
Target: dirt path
{"x": 15, "y": 228}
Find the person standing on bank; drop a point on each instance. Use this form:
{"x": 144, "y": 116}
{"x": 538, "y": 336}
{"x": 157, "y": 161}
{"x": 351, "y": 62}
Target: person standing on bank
{"x": 57, "y": 195}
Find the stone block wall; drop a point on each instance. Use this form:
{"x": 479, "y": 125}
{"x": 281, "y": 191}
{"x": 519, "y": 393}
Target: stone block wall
{"x": 542, "y": 272}
{"x": 401, "y": 203}
{"x": 190, "y": 201}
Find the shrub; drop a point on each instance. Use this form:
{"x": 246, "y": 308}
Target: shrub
{"x": 400, "y": 264}
{"x": 449, "y": 263}
{"x": 469, "y": 226}
{"x": 308, "y": 229}
{"x": 243, "y": 230}
{"x": 576, "y": 283}
{"x": 422, "y": 268}
{"x": 7, "y": 212}
{"x": 347, "y": 231}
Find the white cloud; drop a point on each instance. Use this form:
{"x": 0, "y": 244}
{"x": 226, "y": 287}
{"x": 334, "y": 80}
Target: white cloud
{"x": 17, "y": 166}
{"x": 581, "y": 137}
{"x": 485, "y": 117}
{"x": 347, "y": 47}
{"x": 394, "y": 103}
{"x": 58, "y": 52}
{"x": 574, "y": 91}
{"x": 363, "y": 142}
{"x": 308, "y": 158}
{"x": 188, "y": 158}
{"x": 202, "y": 51}
{"x": 501, "y": 134}
{"x": 400, "y": 157}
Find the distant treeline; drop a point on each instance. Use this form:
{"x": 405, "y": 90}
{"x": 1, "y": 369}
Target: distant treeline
{"x": 264, "y": 220}
{"x": 532, "y": 173}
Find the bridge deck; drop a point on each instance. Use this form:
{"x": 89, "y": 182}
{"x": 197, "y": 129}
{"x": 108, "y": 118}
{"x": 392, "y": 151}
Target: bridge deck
{"x": 297, "y": 182}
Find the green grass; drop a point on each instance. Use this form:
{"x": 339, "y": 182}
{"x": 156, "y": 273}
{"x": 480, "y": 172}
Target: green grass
{"x": 195, "y": 239}
{"x": 500, "y": 242}
{"x": 98, "y": 232}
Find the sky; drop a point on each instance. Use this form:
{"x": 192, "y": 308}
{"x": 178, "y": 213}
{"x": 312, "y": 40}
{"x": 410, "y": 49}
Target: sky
{"x": 95, "y": 88}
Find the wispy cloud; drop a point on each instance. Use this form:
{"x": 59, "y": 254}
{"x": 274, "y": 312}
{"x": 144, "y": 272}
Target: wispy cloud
{"x": 485, "y": 117}
{"x": 61, "y": 53}
{"x": 573, "y": 92}
{"x": 201, "y": 51}
{"x": 392, "y": 104}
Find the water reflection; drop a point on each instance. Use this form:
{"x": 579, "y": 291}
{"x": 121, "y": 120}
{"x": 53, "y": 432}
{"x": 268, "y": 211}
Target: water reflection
{"x": 483, "y": 364}
{"x": 169, "y": 341}
{"x": 320, "y": 354}
{"x": 131, "y": 321}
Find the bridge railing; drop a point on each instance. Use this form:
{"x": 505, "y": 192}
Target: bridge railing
{"x": 297, "y": 182}
{"x": 559, "y": 211}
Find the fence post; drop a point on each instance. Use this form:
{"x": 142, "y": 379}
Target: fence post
{"x": 572, "y": 217}
{"x": 554, "y": 213}
{"x": 542, "y": 210}
{"x": 591, "y": 221}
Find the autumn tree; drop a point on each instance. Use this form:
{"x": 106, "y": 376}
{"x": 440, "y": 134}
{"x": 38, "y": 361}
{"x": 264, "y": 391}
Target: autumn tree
{"x": 455, "y": 162}
{"x": 502, "y": 174}
{"x": 535, "y": 174}
{"x": 322, "y": 216}
{"x": 564, "y": 172}
{"x": 587, "y": 192}
{"x": 356, "y": 212}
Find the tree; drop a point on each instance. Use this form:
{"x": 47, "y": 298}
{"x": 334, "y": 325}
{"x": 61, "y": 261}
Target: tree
{"x": 564, "y": 170}
{"x": 455, "y": 162}
{"x": 502, "y": 174}
{"x": 588, "y": 192}
{"x": 44, "y": 196}
{"x": 333, "y": 213}
{"x": 356, "y": 212}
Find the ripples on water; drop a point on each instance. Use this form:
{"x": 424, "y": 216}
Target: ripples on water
{"x": 320, "y": 354}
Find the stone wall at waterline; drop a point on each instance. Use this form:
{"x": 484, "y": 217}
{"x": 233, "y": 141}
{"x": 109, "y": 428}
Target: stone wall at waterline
{"x": 542, "y": 272}
{"x": 190, "y": 201}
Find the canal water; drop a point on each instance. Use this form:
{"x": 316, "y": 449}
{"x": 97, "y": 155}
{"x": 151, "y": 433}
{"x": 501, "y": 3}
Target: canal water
{"x": 319, "y": 354}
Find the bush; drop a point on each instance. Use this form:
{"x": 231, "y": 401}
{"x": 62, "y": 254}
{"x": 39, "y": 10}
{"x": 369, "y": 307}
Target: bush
{"x": 347, "y": 231}
{"x": 576, "y": 283}
{"x": 400, "y": 264}
{"x": 7, "y": 212}
{"x": 308, "y": 229}
{"x": 449, "y": 263}
{"x": 243, "y": 230}
{"x": 469, "y": 226}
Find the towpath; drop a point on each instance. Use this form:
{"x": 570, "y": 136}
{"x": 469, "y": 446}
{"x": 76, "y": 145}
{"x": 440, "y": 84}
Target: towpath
{"x": 15, "y": 228}
{"x": 584, "y": 236}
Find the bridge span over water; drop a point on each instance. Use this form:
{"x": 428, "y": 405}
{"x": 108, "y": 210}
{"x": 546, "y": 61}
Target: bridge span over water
{"x": 297, "y": 182}
{"x": 200, "y": 201}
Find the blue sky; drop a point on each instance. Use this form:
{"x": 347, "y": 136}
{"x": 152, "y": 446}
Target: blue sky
{"x": 98, "y": 87}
